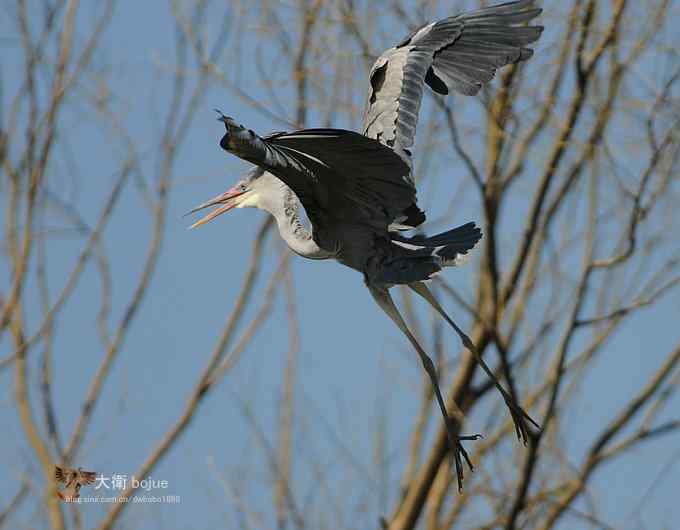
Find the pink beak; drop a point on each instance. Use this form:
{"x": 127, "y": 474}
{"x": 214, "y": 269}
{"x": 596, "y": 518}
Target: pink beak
{"x": 226, "y": 199}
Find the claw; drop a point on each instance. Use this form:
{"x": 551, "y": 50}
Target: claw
{"x": 457, "y": 450}
{"x": 520, "y": 419}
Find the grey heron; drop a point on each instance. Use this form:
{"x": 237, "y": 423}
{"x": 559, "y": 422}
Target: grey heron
{"x": 358, "y": 190}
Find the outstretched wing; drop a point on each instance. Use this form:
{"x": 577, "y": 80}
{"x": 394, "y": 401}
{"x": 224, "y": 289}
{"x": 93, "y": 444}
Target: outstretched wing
{"x": 60, "y": 474}
{"x": 336, "y": 174}
{"x": 459, "y": 53}
{"x": 87, "y": 477}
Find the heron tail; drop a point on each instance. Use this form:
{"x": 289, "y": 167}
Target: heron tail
{"x": 451, "y": 247}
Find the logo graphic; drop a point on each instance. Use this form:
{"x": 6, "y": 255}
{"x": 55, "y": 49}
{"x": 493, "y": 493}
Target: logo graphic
{"x": 73, "y": 480}
{"x": 121, "y": 485}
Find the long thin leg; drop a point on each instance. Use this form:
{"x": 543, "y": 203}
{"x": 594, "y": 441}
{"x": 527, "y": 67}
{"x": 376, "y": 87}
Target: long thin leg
{"x": 384, "y": 300}
{"x": 519, "y": 416}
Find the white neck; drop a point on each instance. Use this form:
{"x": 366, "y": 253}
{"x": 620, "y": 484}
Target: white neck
{"x": 285, "y": 207}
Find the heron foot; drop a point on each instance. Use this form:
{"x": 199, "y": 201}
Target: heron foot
{"x": 521, "y": 420}
{"x": 458, "y": 453}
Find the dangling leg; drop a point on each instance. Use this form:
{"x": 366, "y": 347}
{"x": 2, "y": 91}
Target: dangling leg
{"x": 384, "y": 300}
{"x": 519, "y": 417}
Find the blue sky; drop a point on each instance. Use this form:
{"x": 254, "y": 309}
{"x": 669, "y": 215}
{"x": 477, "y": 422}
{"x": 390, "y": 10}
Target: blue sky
{"x": 353, "y": 366}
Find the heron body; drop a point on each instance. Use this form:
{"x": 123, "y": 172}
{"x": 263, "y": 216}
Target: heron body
{"x": 358, "y": 191}
{"x": 346, "y": 225}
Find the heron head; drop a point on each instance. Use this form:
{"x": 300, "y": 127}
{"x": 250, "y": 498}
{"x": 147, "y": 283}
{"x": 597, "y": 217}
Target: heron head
{"x": 243, "y": 195}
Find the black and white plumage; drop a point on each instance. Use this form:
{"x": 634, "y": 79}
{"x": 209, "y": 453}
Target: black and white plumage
{"x": 352, "y": 189}
{"x": 358, "y": 190}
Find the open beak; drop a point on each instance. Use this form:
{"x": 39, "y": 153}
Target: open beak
{"x": 228, "y": 200}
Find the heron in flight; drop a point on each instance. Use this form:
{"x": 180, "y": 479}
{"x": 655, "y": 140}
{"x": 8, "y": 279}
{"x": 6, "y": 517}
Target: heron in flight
{"x": 358, "y": 189}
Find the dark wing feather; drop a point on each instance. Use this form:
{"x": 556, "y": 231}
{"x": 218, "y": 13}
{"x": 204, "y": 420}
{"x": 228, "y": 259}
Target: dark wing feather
{"x": 87, "y": 477}
{"x": 462, "y": 236}
{"x": 59, "y": 474}
{"x": 459, "y": 53}
{"x": 336, "y": 174}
